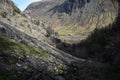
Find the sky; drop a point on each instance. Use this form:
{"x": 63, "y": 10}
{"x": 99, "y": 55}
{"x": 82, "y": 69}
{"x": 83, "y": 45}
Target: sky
{"x": 22, "y": 4}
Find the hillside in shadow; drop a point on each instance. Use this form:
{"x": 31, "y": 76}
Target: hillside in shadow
{"x": 102, "y": 45}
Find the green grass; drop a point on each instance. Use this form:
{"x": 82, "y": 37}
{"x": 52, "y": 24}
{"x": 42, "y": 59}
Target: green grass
{"x": 20, "y": 49}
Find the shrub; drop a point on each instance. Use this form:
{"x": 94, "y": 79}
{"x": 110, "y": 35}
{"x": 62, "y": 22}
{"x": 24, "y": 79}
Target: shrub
{"x": 16, "y": 11}
{"x": 49, "y": 31}
{"x": 37, "y": 22}
{"x": 4, "y": 14}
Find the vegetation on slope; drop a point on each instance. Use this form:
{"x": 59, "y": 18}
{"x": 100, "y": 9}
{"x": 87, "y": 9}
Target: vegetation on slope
{"x": 23, "y": 62}
{"x": 18, "y": 48}
{"x": 15, "y": 54}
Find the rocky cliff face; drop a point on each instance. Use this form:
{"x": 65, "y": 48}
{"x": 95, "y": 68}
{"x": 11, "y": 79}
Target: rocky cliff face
{"x": 76, "y": 18}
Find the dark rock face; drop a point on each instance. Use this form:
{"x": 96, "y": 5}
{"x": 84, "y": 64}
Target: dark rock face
{"x": 81, "y": 11}
{"x": 70, "y": 5}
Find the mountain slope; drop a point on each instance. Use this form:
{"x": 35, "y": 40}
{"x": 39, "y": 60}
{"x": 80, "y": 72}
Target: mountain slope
{"x": 21, "y": 21}
{"x": 34, "y": 52}
{"x": 25, "y": 55}
{"x": 76, "y": 18}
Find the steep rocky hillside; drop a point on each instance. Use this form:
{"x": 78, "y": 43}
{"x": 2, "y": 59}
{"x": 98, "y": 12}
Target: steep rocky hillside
{"x": 74, "y": 20}
{"x": 13, "y": 16}
{"x": 26, "y": 55}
